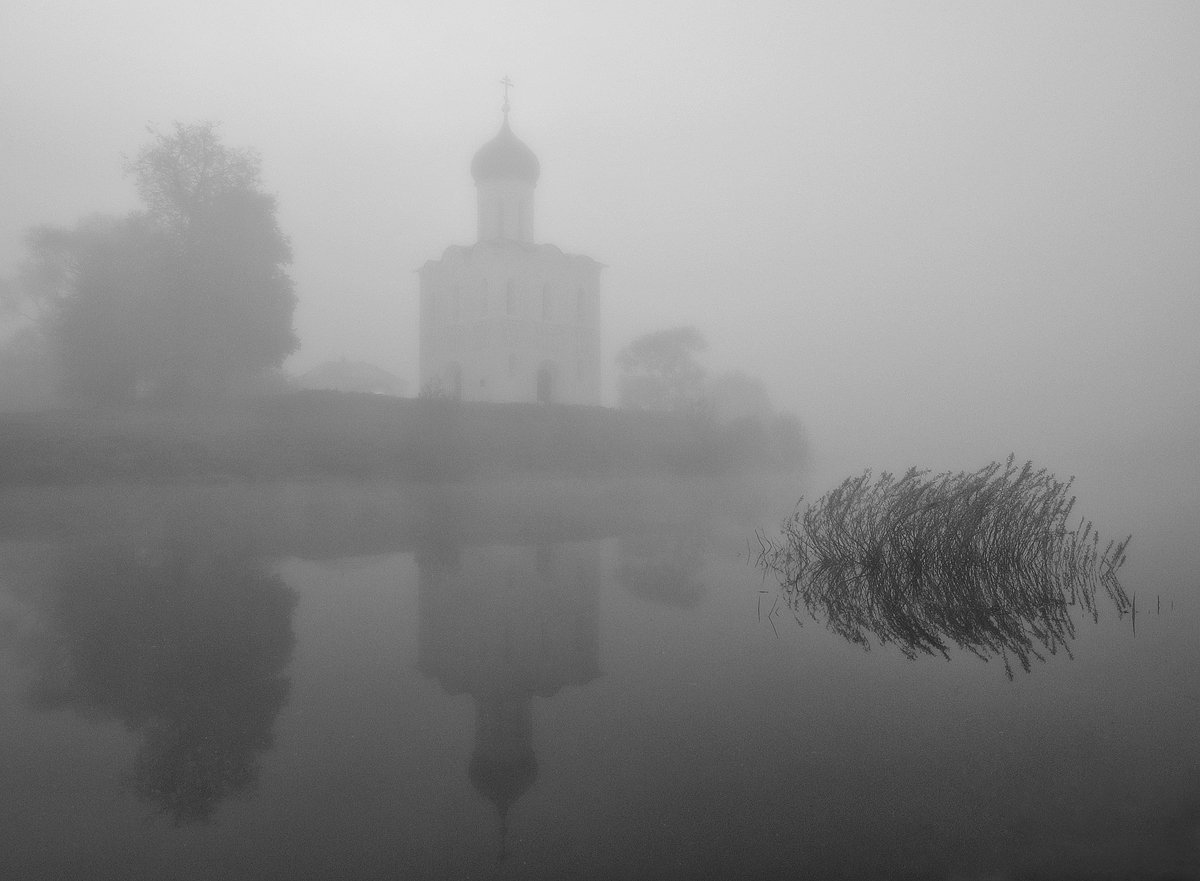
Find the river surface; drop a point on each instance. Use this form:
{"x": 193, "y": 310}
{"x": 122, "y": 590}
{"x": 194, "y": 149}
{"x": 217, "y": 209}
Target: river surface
{"x": 558, "y": 680}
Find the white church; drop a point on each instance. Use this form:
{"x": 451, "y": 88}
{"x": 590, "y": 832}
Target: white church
{"x": 508, "y": 319}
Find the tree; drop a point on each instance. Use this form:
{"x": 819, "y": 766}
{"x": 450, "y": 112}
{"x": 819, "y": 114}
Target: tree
{"x": 182, "y": 176}
{"x": 741, "y": 404}
{"x": 10, "y": 298}
{"x": 100, "y": 287}
{"x": 28, "y": 372}
{"x": 181, "y": 301}
{"x": 736, "y": 395}
{"x": 660, "y": 371}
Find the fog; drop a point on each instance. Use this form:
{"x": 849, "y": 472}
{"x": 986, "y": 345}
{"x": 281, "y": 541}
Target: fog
{"x": 346, "y": 635}
{"x": 938, "y": 232}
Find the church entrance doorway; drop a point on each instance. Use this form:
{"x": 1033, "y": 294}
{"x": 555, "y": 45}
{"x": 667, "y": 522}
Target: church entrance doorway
{"x": 546, "y": 392}
{"x": 454, "y": 381}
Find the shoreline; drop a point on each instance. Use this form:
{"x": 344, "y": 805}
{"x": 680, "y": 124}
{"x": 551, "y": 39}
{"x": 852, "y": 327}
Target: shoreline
{"x": 318, "y": 435}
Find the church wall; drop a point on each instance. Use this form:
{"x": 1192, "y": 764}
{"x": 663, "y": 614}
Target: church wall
{"x": 500, "y": 312}
{"x": 506, "y": 319}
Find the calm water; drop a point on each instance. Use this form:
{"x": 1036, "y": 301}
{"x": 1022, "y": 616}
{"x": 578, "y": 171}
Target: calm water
{"x": 555, "y": 681}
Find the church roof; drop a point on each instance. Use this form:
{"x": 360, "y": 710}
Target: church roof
{"x": 468, "y": 253}
{"x": 505, "y": 157}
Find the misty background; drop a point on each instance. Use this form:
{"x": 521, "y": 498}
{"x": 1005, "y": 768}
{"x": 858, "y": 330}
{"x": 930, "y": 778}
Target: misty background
{"x": 938, "y": 232}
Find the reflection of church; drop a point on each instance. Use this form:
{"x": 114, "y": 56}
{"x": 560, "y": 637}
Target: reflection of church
{"x": 506, "y": 319}
{"x": 504, "y": 624}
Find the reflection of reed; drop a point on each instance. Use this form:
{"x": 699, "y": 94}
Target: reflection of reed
{"x": 983, "y": 559}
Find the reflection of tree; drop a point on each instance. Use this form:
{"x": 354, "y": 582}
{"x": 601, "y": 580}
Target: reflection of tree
{"x": 664, "y": 565}
{"x": 185, "y": 646}
{"x": 984, "y": 560}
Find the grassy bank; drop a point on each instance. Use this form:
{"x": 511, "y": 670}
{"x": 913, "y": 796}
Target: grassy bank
{"x": 315, "y": 434}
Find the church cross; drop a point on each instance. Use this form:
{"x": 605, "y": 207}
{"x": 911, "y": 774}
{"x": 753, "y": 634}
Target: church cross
{"x": 507, "y": 83}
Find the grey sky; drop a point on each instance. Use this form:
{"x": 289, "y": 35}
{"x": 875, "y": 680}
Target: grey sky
{"x": 919, "y": 223}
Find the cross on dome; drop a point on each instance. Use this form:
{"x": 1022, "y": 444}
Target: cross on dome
{"x": 505, "y": 157}
{"x": 507, "y": 83}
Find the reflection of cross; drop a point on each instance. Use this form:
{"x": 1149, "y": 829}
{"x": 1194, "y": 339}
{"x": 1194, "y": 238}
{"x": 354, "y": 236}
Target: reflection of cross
{"x": 507, "y": 83}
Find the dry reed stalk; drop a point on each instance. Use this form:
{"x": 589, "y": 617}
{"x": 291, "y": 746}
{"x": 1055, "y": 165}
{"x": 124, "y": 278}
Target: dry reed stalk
{"x": 983, "y": 559}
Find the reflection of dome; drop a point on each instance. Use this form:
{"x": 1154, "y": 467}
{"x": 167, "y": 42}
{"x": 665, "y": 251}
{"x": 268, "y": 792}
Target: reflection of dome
{"x": 503, "y": 624}
{"x": 503, "y": 780}
{"x": 505, "y": 157}
{"x": 503, "y": 765}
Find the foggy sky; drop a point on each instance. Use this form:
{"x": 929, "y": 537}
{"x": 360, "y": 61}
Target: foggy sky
{"x": 943, "y": 229}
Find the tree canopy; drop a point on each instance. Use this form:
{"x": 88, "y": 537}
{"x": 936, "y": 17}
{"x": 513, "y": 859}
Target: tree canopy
{"x": 660, "y": 371}
{"x": 180, "y": 177}
{"x": 180, "y": 301}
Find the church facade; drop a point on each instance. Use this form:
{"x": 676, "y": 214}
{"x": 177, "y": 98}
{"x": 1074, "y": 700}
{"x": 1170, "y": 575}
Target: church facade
{"x": 508, "y": 319}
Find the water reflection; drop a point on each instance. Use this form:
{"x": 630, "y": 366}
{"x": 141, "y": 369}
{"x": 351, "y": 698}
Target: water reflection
{"x": 504, "y": 624}
{"x": 186, "y": 644}
{"x": 664, "y": 565}
{"x": 986, "y": 618}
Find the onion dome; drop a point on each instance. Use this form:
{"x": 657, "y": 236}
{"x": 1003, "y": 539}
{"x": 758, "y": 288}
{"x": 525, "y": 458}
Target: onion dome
{"x": 505, "y": 157}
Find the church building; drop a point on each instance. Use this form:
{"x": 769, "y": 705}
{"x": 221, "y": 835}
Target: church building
{"x": 508, "y": 319}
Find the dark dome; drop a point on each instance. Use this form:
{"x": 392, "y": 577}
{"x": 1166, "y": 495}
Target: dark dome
{"x": 505, "y": 157}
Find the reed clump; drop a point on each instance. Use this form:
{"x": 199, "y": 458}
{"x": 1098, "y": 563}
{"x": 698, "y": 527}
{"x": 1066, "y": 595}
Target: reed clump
{"x": 986, "y": 560}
